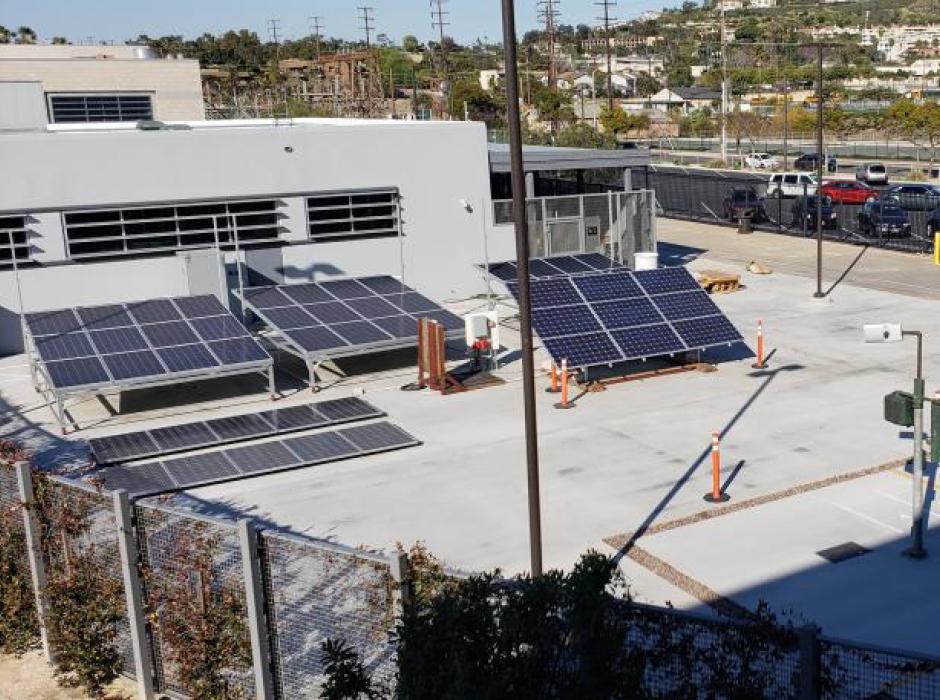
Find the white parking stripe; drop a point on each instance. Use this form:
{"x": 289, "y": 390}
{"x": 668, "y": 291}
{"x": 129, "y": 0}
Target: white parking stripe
{"x": 866, "y": 517}
{"x": 901, "y": 500}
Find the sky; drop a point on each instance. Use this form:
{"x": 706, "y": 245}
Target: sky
{"x": 119, "y": 20}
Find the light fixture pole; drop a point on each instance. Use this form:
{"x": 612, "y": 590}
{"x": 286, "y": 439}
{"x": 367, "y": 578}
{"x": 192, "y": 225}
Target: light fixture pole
{"x": 916, "y": 550}
{"x": 522, "y": 265}
{"x": 819, "y": 294}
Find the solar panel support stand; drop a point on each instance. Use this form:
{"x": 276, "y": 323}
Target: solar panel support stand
{"x": 439, "y": 379}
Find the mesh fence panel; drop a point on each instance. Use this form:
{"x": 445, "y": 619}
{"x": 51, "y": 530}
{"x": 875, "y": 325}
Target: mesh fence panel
{"x": 319, "y": 592}
{"x": 692, "y": 657}
{"x": 11, "y": 522}
{"x": 860, "y": 672}
{"x": 84, "y": 526}
{"x": 171, "y": 544}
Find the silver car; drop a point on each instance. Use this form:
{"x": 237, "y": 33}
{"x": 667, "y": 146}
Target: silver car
{"x": 872, "y": 174}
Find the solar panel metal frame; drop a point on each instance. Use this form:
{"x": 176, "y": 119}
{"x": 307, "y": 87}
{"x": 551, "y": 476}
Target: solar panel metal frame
{"x": 283, "y": 340}
{"x": 98, "y": 446}
{"x": 42, "y": 376}
{"x": 157, "y": 472}
{"x": 580, "y": 258}
{"x": 637, "y": 278}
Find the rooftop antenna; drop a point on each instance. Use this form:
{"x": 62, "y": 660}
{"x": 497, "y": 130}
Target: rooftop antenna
{"x": 606, "y": 19}
{"x": 274, "y": 27}
{"x": 439, "y": 21}
{"x": 368, "y": 24}
{"x": 315, "y": 29}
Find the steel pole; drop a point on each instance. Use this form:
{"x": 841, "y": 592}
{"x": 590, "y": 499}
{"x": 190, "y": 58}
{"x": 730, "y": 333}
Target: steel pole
{"x": 522, "y": 264}
{"x": 818, "y": 294}
{"x": 917, "y": 550}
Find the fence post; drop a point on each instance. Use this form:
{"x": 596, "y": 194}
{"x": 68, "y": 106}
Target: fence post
{"x": 257, "y": 623}
{"x": 140, "y": 642}
{"x": 810, "y": 662}
{"x": 399, "y": 570}
{"x": 37, "y": 566}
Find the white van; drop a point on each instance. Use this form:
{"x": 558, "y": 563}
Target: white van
{"x": 791, "y": 185}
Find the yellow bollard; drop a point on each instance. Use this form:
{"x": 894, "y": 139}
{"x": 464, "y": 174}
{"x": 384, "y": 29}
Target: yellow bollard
{"x": 936, "y": 248}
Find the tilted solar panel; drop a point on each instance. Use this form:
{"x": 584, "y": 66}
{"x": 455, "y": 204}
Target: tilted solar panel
{"x": 253, "y": 460}
{"x": 128, "y": 447}
{"x": 556, "y": 266}
{"x": 346, "y": 317}
{"x": 122, "y": 345}
{"x": 605, "y": 318}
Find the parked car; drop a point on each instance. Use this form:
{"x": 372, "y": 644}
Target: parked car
{"x": 761, "y": 160}
{"x": 848, "y": 191}
{"x": 916, "y": 197}
{"x": 791, "y": 185}
{"x": 810, "y": 161}
{"x": 804, "y": 209}
{"x": 745, "y": 203}
{"x": 872, "y": 174}
{"x": 884, "y": 218}
{"x": 933, "y": 223}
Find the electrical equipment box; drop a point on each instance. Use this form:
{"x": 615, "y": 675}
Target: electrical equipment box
{"x": 899, "y": 408}
{"x": 484, "y": 324}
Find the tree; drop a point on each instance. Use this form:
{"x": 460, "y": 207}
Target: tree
{"x": 918, "y": 123}
{"x": 647, "y": 85}
{"x": 25, "y": 35}
{"x": 59, "y": 40}
{"x": 6, "y": 36}
{"x": 619, "y": 123}
{"x": 584, "y": 136}
{"x": 553, "y": 105}
{"x": 411, "y": 44}
{"x": 481, "y": 105}
{"x": 745, "y": 125}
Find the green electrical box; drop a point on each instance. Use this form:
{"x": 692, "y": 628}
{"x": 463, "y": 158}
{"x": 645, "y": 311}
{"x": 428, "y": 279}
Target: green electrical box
{"x": 899, "y": 408}
{"x": 935, "y": 430}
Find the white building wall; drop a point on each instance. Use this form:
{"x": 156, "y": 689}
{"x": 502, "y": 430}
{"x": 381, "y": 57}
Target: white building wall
{"x": 434, "y": 165}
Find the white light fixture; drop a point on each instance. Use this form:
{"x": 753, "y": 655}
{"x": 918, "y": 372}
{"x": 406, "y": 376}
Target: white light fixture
{"x": 883, "y": 332}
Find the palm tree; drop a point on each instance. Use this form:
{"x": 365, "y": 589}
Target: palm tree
{"x": 6, "y": 36}
{"x": 25, "y": 35}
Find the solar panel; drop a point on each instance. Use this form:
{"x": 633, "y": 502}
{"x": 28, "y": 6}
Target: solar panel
{"x": 556, "y": 266}
{"x": 127, "y": 447}
{"x": 251, "y": 460}
{"x": 122, "y": 345}
{"x": 345, "y": 317}
{"x": 604, "y": 318}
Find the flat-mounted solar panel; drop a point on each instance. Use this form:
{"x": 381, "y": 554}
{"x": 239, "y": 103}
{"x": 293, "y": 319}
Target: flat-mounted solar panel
{"x": 615, "y": 316}
{"x": 570, "y": 265}
{"x": 144, "y": 343}
{"x": 179, "y": 473}
{"x": 133, "y": 446}
{"x": 339, "y": 318}
{"x": 505, "y": 271}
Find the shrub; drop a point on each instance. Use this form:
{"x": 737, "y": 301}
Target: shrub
{"x": 346, "y": 678}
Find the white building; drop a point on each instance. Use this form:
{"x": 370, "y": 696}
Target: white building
{"x": 100, "y": 83}
{"x": 106, "y": 213}
{"x": 761, "y": 4}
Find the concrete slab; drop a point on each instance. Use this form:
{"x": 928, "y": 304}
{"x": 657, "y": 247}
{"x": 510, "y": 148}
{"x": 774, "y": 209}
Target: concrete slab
{"x": 770, "y": 553}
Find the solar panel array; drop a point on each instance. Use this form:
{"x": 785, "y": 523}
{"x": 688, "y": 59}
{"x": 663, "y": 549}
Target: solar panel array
{"x": 601, "y": 319}
{"x": 217, "y": 431}
{"x": 120, "y": 344}
{"x": 557, "y": 266}
{"x": 342, "y": 317}
{"x": 256, "y": 459}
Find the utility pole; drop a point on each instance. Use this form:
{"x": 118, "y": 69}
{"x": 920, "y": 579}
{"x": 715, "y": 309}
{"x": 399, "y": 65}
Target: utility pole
{"x": 548, "y": 12}
{"x": 724, "y": 88}
{"x": 820, "y": 161}
{"x": 274, "y": 27}
{"x": 315, "y": 29}
{"x": 439, "y": 21}
{"x": 368, "y": 24}
{"x": 607, "y": 4}
{"x": 522, "y": 268}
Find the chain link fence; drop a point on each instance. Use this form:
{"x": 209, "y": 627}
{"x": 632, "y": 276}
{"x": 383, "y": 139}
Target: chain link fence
{"x": 315, "y": 591}
{"x": 618, "y": 224}
{"x": 805, "y": 142}
{"x": 905, "y": 223}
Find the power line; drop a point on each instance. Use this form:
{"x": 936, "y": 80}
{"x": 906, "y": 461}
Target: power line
{"x": 606, "y": 5}
{"x": 548, "y": 12}
{"x": 315, "y": 29}
{"x": 368, "y": 24}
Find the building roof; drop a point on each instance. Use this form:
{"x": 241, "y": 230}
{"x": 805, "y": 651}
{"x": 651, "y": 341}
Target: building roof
{"x": 696, "y": 92}
{"x": 554, "y": 158}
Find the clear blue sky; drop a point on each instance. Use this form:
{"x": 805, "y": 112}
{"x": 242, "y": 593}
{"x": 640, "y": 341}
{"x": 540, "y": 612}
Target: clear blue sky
{"x": 119, "y": 20}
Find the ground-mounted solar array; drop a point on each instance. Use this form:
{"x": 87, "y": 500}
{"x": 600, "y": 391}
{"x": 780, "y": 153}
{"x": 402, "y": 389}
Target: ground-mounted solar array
{"x": 557, "y": 266}
{"x": 217, "y": 431}
{"x": 601, "y": 319}
{"x": 115, "y": 345}
{"x": 347, "y": 317}
{"x": 255, "y": 459}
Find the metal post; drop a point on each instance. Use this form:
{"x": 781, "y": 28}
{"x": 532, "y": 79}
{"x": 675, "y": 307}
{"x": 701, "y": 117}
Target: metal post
{"x": 810, "y": 662}
{"x": 917, "y": 550}
{"x": 223, "y": 272}
{"x": 522, "y": 265}
{"x": 254, "y": 597}
{"x": 238, "y": 262}
{"x": 818, "y": 294}
{"x": 140, "y": 642}
{"x": 399, "y": 570}
{"x": 37, "y": 567}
